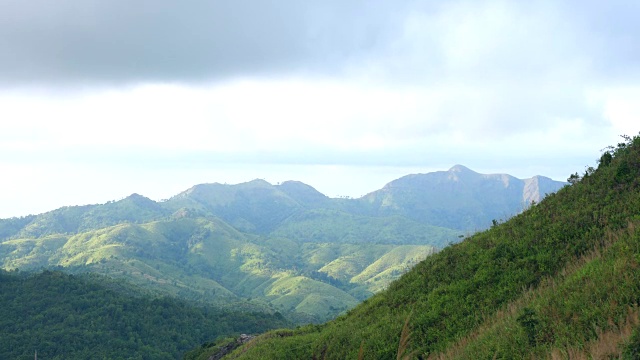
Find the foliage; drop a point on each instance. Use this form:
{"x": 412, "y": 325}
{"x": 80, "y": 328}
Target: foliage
{"x": 632, "y": 350}
{"x": 77, "y": 317}
{"x": 206, "y": 350}
{"x": 530, "y": 323}
{"x": 573, "y": 178}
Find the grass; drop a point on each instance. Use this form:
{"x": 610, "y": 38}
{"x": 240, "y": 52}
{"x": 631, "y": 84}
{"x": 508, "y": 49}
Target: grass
{"x": 578, "y": 306}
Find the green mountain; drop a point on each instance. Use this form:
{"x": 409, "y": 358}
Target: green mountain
{"x": 76, "y": 219}
{"x": 255, "y": 206}
{"x": 560, "y": 280}
{"x": 458, "y": 198}
{"x": 60, "y": 316}
{"x": 255, "y": 245}
{"x": 205, "y": 259}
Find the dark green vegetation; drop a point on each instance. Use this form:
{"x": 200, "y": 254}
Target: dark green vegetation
{"x": 285, "y": 248}
{"x": 560, "y": 280}
{"x": 90, "y": 317}
{"x": 218, "y": 349}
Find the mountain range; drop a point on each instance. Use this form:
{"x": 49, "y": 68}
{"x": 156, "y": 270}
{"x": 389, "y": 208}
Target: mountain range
{"x": 285, "y": 247}
{"x": 560, "y": 280}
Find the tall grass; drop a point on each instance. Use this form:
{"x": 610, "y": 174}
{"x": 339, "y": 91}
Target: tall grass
{"x": 560, "y": 332}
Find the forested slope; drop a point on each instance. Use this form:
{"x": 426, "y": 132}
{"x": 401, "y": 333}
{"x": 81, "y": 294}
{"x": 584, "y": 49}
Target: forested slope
{"x": 91, "y": 317}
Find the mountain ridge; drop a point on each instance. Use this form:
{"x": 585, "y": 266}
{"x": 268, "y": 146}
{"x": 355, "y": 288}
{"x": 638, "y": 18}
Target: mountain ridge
{"x": 228, "y": 243}
{"x": 291, "y": 185}
{"x": 559, "y": 280}
{"x": 459, "y": 198}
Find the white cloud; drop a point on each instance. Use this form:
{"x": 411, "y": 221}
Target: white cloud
{"x": 245, "y": 116}
{"x": 499, "y": 86}
{"x": 622, "y": 109}
{"x": 292, "y": 119}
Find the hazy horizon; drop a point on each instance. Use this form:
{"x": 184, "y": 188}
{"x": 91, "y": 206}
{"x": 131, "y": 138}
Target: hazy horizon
{"x": 159, "y": 195}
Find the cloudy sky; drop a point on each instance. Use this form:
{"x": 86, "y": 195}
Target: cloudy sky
{"x": 103, "y": 98}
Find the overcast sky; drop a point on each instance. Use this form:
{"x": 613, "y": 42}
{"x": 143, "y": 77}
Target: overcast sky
{"x": 103, "y": 98}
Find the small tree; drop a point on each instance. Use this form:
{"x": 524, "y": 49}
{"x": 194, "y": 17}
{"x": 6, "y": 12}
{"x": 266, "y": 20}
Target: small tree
{"x": 573, "y": 178}
{"x": 605, "y": 159}
{"x": 530, "y": 323}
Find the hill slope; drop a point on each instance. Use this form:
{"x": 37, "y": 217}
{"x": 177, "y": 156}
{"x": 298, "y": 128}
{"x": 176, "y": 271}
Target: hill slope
{"x": 207, "y": 260}
{"x": 561, "y": 278}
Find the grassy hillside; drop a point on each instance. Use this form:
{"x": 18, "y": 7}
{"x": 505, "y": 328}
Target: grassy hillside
{"x": 89, "y": 317}
{"x": 561, "y": 279}
{"x": 207, "y": 260}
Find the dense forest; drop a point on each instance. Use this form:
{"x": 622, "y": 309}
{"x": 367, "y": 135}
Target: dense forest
{"x": 64, "y": 316}
{"x": 560, "y": 280}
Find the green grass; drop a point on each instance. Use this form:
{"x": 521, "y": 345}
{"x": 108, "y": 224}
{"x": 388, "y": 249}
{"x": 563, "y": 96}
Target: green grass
{"x": 388, "y": 267}
{"x": 308, "y": 296}
{"x": 590, "y": 297}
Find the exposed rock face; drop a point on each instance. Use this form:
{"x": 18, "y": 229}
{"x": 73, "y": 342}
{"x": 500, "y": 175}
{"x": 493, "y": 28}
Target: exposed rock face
{"x": 459, "y": 198}
{"x": 244, "y": 338}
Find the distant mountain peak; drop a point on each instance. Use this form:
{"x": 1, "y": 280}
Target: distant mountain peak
{"x": 459, "y": 198}
{"x": 461, "y": 169}
{"x": 458, "y": 172}
{"x": 539, "y": 178}
{"x": 139, "y": 199}
{"x": 257, "y": 183}
{"x": 293, "y": 183}
{"x": 136, "y": 196}
{"x": 303, "y": 193}
{"x": 297, "y": 185}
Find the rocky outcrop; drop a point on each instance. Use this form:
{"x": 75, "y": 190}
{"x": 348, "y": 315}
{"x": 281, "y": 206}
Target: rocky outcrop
{"x": 229, "y": 347}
